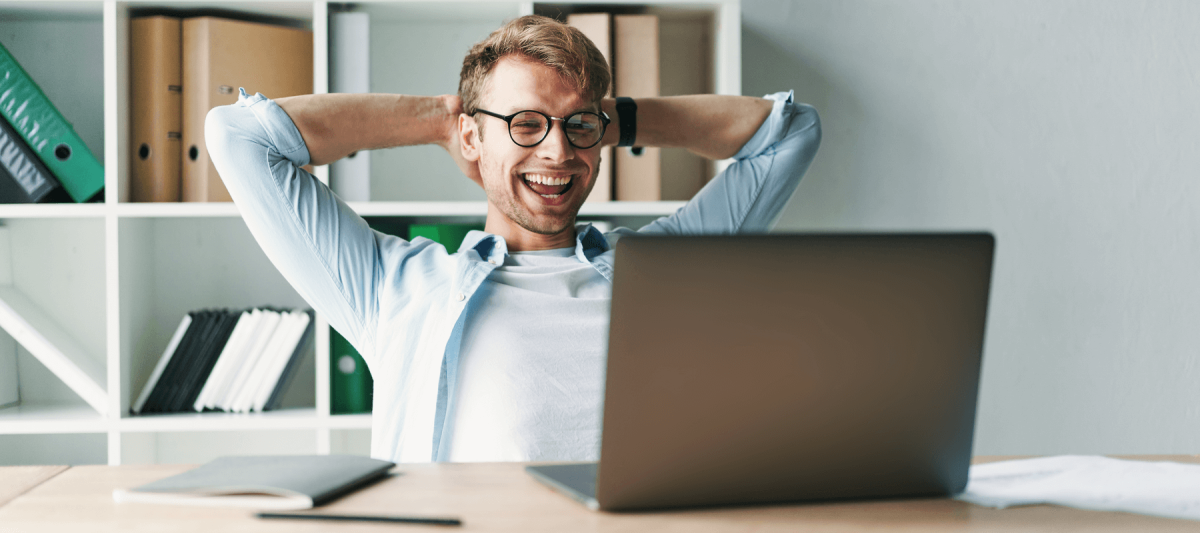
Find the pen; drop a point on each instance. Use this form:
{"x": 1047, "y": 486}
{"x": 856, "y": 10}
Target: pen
{"x": 367, "y": 518}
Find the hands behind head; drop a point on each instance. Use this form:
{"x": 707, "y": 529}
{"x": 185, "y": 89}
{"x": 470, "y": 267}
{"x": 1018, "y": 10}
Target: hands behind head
{"x": 453, "y": 143}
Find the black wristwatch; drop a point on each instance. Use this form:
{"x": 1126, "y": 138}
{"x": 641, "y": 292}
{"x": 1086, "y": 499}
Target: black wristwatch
{"x": 627, "y": 120}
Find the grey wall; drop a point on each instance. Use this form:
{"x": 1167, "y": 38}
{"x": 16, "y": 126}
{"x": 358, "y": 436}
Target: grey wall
{"x": 1070, "y": 129}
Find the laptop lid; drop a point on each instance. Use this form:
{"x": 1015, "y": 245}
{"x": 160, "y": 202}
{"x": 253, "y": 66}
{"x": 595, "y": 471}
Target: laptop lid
{"x": 773, "y": 368}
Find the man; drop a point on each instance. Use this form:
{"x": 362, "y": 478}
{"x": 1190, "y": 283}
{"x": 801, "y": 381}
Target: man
{"x": 496, "y": 352}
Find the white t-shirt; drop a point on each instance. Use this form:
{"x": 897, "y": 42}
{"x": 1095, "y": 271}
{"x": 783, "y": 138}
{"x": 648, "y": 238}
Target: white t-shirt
{"x": 532, "y": 362}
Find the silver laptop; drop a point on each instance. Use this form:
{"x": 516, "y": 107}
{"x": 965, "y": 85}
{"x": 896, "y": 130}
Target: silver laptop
{"x": 787, "y": 368}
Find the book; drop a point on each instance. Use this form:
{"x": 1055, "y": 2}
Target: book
{"x": 267, "y": 337}
{"x": 231, "y": 360}
{"x": 280, "y": 379}
{"x": 350, "y": 72}
{"x": 263, "y": 482}
{"x": 203, "y": 361}
{"x": 243, "y": 331}
{"x": 46, "y": 132}
{"x": 598, "y": 28}
{"x": 53, "y": 347}
{"x": 285, "y": 334}
{"x": 636, "y": 73}
{"x": 219, "y": 56}
{"x": 23, "y": 178}
{"x": 156, "y": 108}
{"x": 155, "y": 374}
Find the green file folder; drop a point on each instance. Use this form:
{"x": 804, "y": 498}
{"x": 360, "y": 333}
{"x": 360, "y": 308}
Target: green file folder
{"x": 46, "y": 132}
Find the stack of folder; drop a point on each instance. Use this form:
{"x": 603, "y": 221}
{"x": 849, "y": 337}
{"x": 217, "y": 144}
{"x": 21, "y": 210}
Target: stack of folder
{"x": 233, "y": 361}
{"x": 183, "y": 67}
{"x": 42, "y": 159}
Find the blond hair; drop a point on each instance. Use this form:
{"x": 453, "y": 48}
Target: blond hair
{"x": 544, "y": 40}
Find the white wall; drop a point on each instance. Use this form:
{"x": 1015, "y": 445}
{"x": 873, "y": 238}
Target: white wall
{"x": 1070, "y": 129}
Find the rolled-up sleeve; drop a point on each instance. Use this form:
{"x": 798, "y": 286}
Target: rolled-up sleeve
{"x": 750, "y": 194}
{"x": 322, "y": 247}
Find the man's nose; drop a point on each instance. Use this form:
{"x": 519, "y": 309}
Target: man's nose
{"x": 555, "y": 147}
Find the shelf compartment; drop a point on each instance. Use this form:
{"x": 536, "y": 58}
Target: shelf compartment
{"x": 53, "y": 347}
{"x": 60, "y": 46}
{"x": 170, "y": 266}
{"x": 52, "y": 289}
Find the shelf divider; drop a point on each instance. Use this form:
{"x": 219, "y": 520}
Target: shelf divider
{"x": 31, "y": 328}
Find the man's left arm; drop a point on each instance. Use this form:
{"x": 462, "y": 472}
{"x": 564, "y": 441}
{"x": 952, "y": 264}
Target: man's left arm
{"x": 773, "y": 141}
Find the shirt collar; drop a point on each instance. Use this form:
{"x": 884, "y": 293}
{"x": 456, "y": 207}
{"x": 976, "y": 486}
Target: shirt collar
{"x": 589, "y": 243}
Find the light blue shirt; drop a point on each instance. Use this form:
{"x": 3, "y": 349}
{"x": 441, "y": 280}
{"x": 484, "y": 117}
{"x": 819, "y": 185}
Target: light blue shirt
{"x": 401, "y": 303}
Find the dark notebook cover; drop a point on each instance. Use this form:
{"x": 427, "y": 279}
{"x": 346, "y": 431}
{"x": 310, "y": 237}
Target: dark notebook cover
{"x": 208, "y": 324}
{"x": 263, "y": 482}
{"x": 205, "y": 360}
{"x": 155, "y": 402}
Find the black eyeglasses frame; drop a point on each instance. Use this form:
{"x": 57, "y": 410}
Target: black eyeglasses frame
{"x": 604, "y": 122}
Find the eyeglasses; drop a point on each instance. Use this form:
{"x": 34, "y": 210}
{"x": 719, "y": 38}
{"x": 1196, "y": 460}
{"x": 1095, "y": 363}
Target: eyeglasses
{"x": 529, "y": 128}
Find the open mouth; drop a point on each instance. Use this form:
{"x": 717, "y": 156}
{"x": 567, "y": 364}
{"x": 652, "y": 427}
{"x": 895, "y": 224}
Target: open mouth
{"x": 548, "y": 187}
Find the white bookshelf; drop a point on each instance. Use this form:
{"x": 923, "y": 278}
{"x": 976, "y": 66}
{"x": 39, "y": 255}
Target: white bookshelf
{"x": 115, "y": 277}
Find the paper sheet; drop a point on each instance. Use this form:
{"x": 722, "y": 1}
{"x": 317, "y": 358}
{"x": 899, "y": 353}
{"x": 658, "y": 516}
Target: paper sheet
{"x": 1089, "y": 482}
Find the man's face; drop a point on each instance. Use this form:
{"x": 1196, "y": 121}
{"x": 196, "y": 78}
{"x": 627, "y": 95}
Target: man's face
{"x": 539, "y": 188}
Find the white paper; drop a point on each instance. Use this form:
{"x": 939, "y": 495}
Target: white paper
{"x": 1163, "y": 488}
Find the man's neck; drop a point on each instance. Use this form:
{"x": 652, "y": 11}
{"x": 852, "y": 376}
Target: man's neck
{"x": 520, "y": 239}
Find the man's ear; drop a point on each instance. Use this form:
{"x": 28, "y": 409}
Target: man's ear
{"x": 468, "y": 137}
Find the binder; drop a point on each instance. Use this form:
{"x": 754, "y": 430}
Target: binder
{"x": 219, "y": 56}
{"x": 350, "y": 385}
{"x": 23, "y": 178}
{"x": 636, "y": 71}
{"x": 350, "y": 72}
{"x": 46, "y": 132}
{"x": 156, "y": 106}
{"x": 598, "y": 28}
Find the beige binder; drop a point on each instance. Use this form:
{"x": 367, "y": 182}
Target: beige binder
{"x": 155, "y": 97}
{"x": 598, "y": 28}
{"x": 219, "y": 56}
{"x": 636, "y": 70}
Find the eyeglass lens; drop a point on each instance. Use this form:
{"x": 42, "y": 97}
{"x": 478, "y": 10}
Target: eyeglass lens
{"x": 529, "y": 128}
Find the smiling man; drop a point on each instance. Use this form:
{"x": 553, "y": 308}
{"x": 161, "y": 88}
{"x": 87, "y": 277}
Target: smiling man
{"x": 495, "y": 352}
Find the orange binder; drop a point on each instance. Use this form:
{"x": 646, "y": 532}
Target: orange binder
{"x": 598, "y": 28}
{"x": 155, "y": 95}
{"x": 636, "y": 71}
{"x": 219, "y": 56}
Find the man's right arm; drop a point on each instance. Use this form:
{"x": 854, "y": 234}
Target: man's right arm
{"x": 321, "y": 246}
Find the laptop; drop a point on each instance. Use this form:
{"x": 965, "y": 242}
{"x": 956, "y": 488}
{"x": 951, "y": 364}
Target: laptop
{"x": 787, "y": 368}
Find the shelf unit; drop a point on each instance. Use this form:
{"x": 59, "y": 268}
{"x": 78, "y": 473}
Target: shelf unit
{"x": 117, "y": 276}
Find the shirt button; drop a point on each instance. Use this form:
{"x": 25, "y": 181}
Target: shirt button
{"x": 461, "y": 297}
{"x": 493, "y": 261}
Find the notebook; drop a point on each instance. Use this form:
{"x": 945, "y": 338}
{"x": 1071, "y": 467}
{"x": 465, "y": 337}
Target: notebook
{"x": 263, "y": 482}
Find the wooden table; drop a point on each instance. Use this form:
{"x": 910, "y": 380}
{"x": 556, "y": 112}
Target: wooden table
{"x": 501, "y": 497}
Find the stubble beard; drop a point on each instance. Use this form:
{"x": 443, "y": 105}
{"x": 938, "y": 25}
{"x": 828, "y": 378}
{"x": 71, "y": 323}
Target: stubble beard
{"x": 500, "y": 195}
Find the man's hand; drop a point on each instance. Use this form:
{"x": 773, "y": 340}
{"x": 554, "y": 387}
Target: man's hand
{"x": 452, "y": 143}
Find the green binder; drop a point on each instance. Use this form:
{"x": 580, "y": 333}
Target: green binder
{"x": 47, "y": 133}
{"x": 351, "y": 386}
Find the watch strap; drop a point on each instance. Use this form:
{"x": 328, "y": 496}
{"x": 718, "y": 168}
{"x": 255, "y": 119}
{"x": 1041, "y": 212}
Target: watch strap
{"x": 626, "y": 120}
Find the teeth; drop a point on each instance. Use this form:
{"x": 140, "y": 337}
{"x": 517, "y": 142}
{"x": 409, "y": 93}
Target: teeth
{"x": 547, "y": 180}
{"x": 549, "y": 196}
